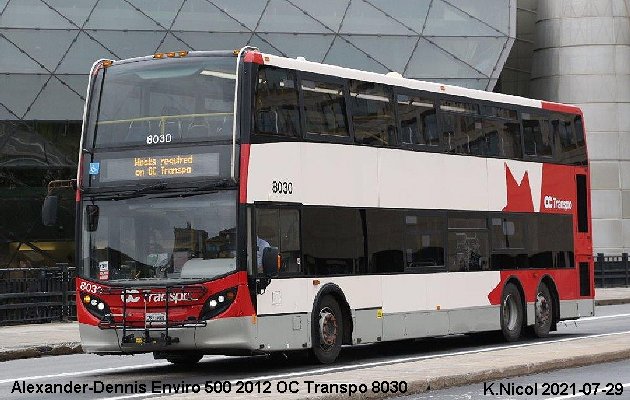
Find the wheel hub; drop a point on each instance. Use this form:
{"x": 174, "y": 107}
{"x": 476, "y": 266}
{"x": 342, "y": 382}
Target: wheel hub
{"x": 542, "y": 309}
{"x": 327, "y": 328}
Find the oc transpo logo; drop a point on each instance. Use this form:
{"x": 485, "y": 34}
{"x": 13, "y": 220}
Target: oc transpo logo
{"x": 551, "y": 202}
{"x": 134, "y": 296}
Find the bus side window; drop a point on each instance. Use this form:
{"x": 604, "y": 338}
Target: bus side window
{"x": 537, "y": 136}
{"x": 424, "y": 243}
{"x": 372, "y": 113}
{"x": 467, "y": 244}
{"x": 418, "y": 121}
{"x": 333, "y": 241}
{"x": 324, "y": 108}
{"x": 461, "y": 128}
{"x": 276, "y": 104}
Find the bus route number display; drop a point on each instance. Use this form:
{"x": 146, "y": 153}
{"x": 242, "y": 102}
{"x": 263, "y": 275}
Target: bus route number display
{"x": 162, "y": 167}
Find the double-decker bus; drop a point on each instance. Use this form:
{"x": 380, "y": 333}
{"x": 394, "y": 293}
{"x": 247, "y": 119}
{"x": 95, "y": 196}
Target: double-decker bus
{"x": 243, "y": 203}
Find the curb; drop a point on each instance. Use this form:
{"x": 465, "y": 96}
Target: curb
{"x": 59, "y": 349}
{"x": 445, "y": 382}
{"x": 611, "y": 302}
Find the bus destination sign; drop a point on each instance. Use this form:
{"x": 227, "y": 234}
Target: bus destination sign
{"x": 161, "y": 166}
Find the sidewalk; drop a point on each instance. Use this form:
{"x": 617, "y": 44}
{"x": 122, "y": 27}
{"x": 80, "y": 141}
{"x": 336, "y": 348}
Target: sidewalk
{"x": 28, "y": 341}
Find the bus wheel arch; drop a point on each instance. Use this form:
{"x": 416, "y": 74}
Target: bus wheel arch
{"x": 513, "y": 312}
{"x": 326, "y": 294}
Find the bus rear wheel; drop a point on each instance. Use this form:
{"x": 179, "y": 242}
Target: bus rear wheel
{"x": 543, "y": 310}
{"x": 511, "y": 313}
{"x": 327, "y": 330}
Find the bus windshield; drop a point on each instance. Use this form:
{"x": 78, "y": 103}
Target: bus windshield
{"x": 165, "y": 101}
{"x": 160, "y": 237}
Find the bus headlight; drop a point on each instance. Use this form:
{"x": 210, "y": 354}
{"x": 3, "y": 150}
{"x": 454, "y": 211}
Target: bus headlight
{"x": 218, "y": 303}
{"x": 95, "y": 305}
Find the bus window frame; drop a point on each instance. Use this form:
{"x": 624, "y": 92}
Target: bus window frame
{"x": 253, "y": 243}
{"x": 318, "y": 137}
{"x": 256, "y": 137}
{"x": 399, "y": 90}
{"x": 546, "y": 117}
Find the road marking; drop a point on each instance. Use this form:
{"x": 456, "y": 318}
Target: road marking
{"x": 572, "y": 396}
{"x": 342, "y": 368}
{"x": 586, "y": 319}
{"x": 82, "y": 373}
{"x": 318, "y": 371}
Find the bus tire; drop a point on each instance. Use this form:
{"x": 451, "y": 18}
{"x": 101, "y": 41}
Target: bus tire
{"x": 543, "y": 310}
{"x": 184, "y": 359}
{"x": 511, "y": 313}
{"x": 327, "y": 330}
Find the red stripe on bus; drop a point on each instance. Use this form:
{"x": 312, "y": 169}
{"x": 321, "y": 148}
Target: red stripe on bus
{"x": 547, "y": 105}
{"x": 244, "y": 168}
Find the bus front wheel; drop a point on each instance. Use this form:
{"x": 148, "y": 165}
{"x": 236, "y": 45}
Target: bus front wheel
{"x": 327, "y": 330}
{"x": 511, "y": 313}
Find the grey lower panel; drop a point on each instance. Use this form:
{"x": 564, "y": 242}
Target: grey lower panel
{"x": 443, "y": 322}
{"x": 475, "y": 319}
{"x": 586, "y": 308}
{"x": 367, "y": 326}
{"x": 571, "y": 309}
{"x": 284, "y": 332}
{"x": 96, "y": 340}
{"x": 219, "y": 335}
{"x": 238, "y": 333}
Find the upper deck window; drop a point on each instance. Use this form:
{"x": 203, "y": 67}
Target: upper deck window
{"x": 276, "y": 105}
{"x": 537, "y": 135}
{"x": 163, "y": 101}
{"x": 325, "y": 108}
{"x": 372, "y": 113}
{"x": 418, "y": 121}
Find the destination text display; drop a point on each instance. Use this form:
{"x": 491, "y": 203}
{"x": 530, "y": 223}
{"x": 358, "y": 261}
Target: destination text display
{"x": 159, "y": 167}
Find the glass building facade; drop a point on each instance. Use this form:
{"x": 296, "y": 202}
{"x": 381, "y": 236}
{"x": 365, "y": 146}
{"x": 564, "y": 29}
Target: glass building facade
{"x": 48, "y": 47}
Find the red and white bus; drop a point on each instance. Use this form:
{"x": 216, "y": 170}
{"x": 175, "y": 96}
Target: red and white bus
{"x": 243, "y": 203}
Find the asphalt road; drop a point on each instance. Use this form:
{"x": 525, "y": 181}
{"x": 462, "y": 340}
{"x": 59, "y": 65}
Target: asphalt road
{"x": 600, "y": 381}
{"x": 136, "y": 371}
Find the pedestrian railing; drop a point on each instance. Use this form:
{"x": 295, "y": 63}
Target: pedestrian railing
{"x": 30, "y": 295}
{"x": 612, "y": 271}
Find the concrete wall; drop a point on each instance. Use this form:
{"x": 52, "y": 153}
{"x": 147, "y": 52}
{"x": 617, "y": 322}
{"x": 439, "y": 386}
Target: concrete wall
{"x": 582, "y": 57}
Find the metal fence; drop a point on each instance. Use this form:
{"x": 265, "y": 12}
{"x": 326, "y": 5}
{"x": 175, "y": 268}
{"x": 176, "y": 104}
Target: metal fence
{"x": 30, "y": 295}
{"x": 612, "y": 271}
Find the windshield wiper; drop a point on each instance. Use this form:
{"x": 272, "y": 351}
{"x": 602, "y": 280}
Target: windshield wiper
{"x": 211, "y": 187}
{"x": 158, "y": 187}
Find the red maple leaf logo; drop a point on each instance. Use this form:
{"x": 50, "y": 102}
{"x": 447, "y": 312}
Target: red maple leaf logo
{"x": 519, "y": 197}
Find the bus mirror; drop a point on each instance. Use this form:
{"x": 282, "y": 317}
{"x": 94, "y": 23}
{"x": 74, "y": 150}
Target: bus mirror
{"x": 270, "y": 261}
{"x": 49, "y": 211}
{"x": 91, "y": 215}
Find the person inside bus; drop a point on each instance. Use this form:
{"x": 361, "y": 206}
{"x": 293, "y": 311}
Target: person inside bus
{"x": 261, "y": 245}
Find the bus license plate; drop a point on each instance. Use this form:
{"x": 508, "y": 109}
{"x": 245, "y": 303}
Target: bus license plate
{"x": 156, "y": 317}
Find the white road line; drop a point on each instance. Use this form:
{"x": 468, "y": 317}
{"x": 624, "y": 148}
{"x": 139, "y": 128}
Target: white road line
{"x": 572, "y": 396}
{"x": 321, "y": 371}
{"x": 587, "y": 319}
{"x": 87, "y": 372}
